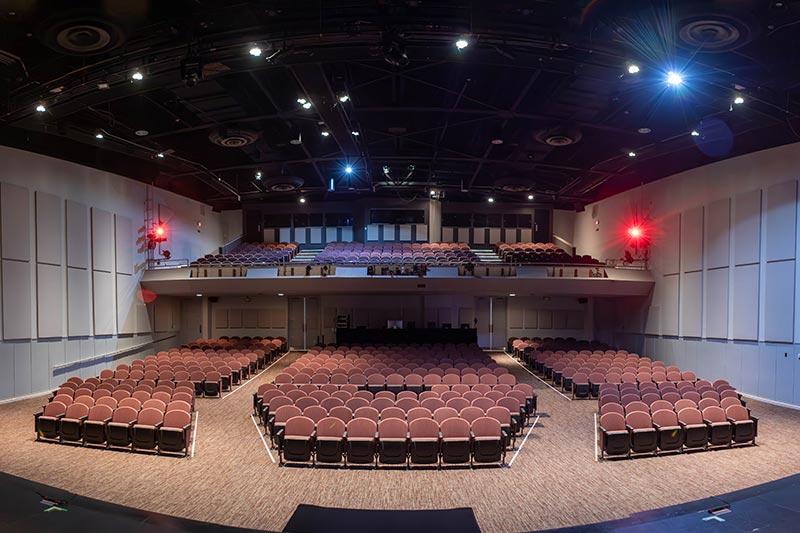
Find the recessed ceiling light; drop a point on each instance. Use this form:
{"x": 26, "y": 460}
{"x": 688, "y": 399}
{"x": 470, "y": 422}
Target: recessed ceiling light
{"x": 739, "y": 99}
{"x": 255, "y": 51}
{"x": 355, "y": 133}
{"x": 695, "y": 133}
{"x": 497, "y": 142}
{"x": 325, "y": 133}
{"x": 674, "y": 78}
{"x": 644, "y": 130}
{"x": 160, "y": 155}
{"x": 433, "y": 192}
{"x": 137, "y": 76}
{"x": 302, "y": 200}
{"x": 462, "y": 43}
{"x": 99, "y": 135}
{"x": 280, "y": 294}
{"x": 258, "y": 174}
{"x": 307, "y": 105}
{"x": 199, "y": 294}
{"x": 631, "y": 154}
{"x": 41, "y": 108}
{"x": 141, "y": 133}
{"x": 512, "y": 294}
{"x": 103, "y": 86}
{"x": 633, "y": 69}
{"x": 302, "y": 101}
{"x": 531, "y": 197}
{"x": 490, "y": 200}
{"x": 348, "y": 169}
{"x": 344, "y": 97}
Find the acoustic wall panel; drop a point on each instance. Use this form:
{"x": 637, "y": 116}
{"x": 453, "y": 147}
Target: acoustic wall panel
{"x": 531, "y": 319}
{"x": 49, "y": 301}
{"x": 525, "y": 235}
{"x": 691, "y": 311}
{"x": 545, "y": 319}
{"x": 49, "y": 228}
{"x": 234, "y": 318}
{"x": 692, "y": 240}
{"x": 285, "y": 234}
{"x": 717, "y": 241}
{"x": 510, "y": 235}
{"x": 250, "y": 318}
{"x": 559, "y": 319}
{"x": 104, "y": 303}
{"x": 716, "y": 300}
{"x": 479, "y": 235}
{"x": 749, "y": 359}
{"x": 515, "y": 316}
{"x": 102, "y": 240}
{"x": 163, "y": 315}
{"x": 767, "y": 366}
{"x": 494, "y": 235}
{"x": 781, "y": 220}
{"x": 779, "y": 302}
{"x": 16, "y": 300}
{"x": 404, "y": 232}
{"x": 653, "y": 322}
{"x": 277, "y": 318}
{"x": 575, "y": 320}
{"x": 124, "y": 240}
{"x": 784, "y": 374}
{"x": 79, "y": 303}
{"x": 126, "y": 303}
{"x": 745, "y": 302}
{"x": 448, "y": 234}
{"x": 331, "y": 234}
{"x": 22, "y": 369}
{"x": 669, "y": 304}
{"x": 347, "y": 234}
{"x": 671, "y": 247}
{"x": 263, "y": 318}
{"x": 143, "y": 320}
{"x": 747, "y": 228}
{"x": 372, "y": 232}
{"x": 15, "y": 221}
{"x": 78, "y": 236}
{"x": 220, "y": 318}
{"x": 316, "y": 236}
{"x": 300, "y": 235}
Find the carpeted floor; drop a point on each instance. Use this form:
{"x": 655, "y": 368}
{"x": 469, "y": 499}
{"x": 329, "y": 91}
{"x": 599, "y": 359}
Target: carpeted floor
{"x": 554, "y": 482}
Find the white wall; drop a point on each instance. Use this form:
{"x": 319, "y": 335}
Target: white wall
{"x": 249, "y": 315}
{"x": 564, "y": 228}
{"x": 724, "y": 258}
{"x": 231, "y": 225}
{"x": 72, "y": 249}
{"x": 537, "y": 316}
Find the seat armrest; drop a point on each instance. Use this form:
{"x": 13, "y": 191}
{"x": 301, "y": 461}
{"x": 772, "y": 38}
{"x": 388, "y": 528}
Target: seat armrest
{"x": 658, "y": 427}
{"x": 187, "y": 426}
{"x": 503, "y": 433}
{"x": 314, "y": 434}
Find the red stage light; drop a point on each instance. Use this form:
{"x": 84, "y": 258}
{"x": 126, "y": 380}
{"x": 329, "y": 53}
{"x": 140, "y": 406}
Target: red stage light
{"x": 635, "y": 232}
{"x": 160, "y": 231}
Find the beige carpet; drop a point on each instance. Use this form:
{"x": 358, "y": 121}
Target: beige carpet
{"x": 554, "y": 482}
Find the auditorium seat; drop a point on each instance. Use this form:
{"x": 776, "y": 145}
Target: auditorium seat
{"x": 48, "y": 421}
{"x": 175, "y": 432}
{"x": 296, "y": 440}
{"x": 720, "y": 430}
{"x": 456, "y": 441}
{"x": 329, "y": 443}
{"x": 694, "y": 428}
{"x": 361, "y": 441}
{"x": 615, "y": 437}
{"x": 742, "y": 423}
{"x": 488, "y": 441}
{"x": 144, "y": 433}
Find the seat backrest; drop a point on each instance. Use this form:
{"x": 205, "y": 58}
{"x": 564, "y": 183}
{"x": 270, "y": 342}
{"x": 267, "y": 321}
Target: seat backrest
{"x": 471, "y": 413}
{"x": 179, "y": 405}
{"x": 707, "y": 402}
{"x": 330, "y": 427}
{"x": 356, "y": 403}
{"x": 416, "y": 413}
{"x": 690, "y": 415}
{"x": 423, "y": 428}
{"x": 501, "y": 414}
{"x": 444, "y": 413}
{"x": 315, "y": 413}
{"x": 392, "y": 428}
{"x": 613, "y": 422}
{"x": 299, "y": 426}
{"x": 393, "y": 412}
{"x": 486, "y": 426}
{"x": 77, "y": 410}
{"x": 612, "y": 408}
{"x": 285, "y": 412}
{"x": 55, "y": 408}
{"x": 637, "y": 406}
{"x": 177, "y": 419}
{"x": 639, "y": 420}
{"x": 714, "y": 414}
{"x": 345, "y": 414}
{"x": 125, "y": 414}
{"x": 100, "y": 412}
{"x": 737, "y": 412}
{"x": 368, "y": 412}
{"x": 361, "y": 428}
{"x": 728, "y": 402}
{"x": 665, "y": 418}
{"x": 455, "y": 428}
{"x": 150, "y": 416}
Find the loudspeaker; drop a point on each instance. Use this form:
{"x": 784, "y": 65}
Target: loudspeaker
{"x": 213, "y": 299}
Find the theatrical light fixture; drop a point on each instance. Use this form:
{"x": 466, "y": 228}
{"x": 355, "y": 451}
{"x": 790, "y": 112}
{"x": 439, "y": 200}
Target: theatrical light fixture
{"x": 497, "y": 142}
{"x": 462, "y": 43}
{"x": 255, "y": 51}
{"x": 738, "y": 99}
{"x": 633, "y": 69}
{"x": 199, "y": 294}
{"x": 258, "y": 174}
{"x": 348, "y": 169}
{"x": 302, "y": 200}
{"x": 635, "y": 232}
{"x": 531, "y": 197}
{"x": 433, "y": 192}
{"x": 280, "y": 294}
{"x": 674, "y": 78}
{"x": 137, "y": 76}
{"x": 160, "y": 155}
{"x": 631, "y": 154}
{"x": 512, "y": 294}
{"x": 302, "y": 101}
{"x": 41, "y": 108}
{"x": 98, "y": 135}
{"x": 343, "y": 97}
{"x": 355, "y": 133}
{"x": 644, "y": 131}
{"x": 490, "y": 200}
{"x": 325, "y": 133}
{"x": 307, "y": 105}
{"x": 695, "y": 133}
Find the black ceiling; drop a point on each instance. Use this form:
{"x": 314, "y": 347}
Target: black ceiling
{"x": 546, "y": 80}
